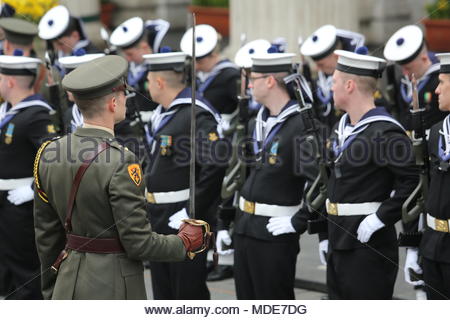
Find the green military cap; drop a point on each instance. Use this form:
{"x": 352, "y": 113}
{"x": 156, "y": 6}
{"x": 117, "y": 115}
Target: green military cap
{"x": 18, "y": 31}
{"x": 97, "y": 78}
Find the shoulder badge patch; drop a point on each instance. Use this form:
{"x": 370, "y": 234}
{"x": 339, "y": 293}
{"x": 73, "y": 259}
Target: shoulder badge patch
{"x": 134, "y": 170}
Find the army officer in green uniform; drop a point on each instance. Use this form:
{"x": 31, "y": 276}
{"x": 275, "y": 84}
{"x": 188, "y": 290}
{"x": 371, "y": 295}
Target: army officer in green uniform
{"x": 89, "y": 190}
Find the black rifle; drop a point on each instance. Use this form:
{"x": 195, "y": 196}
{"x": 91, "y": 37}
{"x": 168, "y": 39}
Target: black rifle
{"x": 391, "y": 87}
{"x": 59, "y": 103}
{"x": 317, "y": 194}
{"x": 236, "y": 173}
{"x": 418, "y": 197}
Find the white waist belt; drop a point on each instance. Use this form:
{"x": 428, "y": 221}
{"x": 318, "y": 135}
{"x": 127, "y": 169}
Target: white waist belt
{"x": 352, "y": 209}
{"x": 438, "y": 224}
{"x": 168, "y": 197}
{"x": 9, "y": 184}
{"x": 268, "y": 210}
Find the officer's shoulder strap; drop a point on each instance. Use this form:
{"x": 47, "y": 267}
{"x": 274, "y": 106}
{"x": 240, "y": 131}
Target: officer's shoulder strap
{"x": 37, "y": 183}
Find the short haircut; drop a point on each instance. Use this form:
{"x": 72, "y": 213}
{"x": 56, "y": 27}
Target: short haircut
{"x": 173, "y": 79}
{"x": 90, "y": 108}
{"x": 24, "y": 82}
{"x": 279, "y": 78}
{"x": 365, "y": 84}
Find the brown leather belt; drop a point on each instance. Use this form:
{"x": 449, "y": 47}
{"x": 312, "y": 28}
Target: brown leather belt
{"x": 94, "y": 245}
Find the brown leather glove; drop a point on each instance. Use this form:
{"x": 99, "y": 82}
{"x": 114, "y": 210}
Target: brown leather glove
{"x": 195, "y": 235}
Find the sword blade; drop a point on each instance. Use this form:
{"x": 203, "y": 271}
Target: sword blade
{"x": 193, "y": 128}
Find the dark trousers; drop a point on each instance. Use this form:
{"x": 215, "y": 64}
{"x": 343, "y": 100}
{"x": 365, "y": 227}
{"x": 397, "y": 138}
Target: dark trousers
{"x": 437, "y": 279}
{"x": 180, "y": 280}
{"x": 264, "y": 270}
{"x": 362, "y": 273}
{"x": 5, "y": 281}
{"x": 18, "y": 253}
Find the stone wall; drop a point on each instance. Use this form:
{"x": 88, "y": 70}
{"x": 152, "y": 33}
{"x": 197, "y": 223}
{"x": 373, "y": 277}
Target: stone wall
{"x": 376, "y": 19}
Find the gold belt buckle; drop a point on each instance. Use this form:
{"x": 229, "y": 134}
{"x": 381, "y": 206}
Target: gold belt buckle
{"x": 332, "y": 209}
{"x": 150, "y": 197}
{"x": 441, "y": 225}
{"x": 249, "y": 207}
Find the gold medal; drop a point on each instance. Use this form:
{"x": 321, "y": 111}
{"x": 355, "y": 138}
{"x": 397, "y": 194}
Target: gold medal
{"x": 272, "y": 160}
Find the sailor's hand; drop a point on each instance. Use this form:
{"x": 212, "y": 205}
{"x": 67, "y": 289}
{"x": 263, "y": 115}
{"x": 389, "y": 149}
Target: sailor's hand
{"x": 177, "y": 218}
{"x": 411, "y": 263}
{"x": 280, "y": 225}
{"x": 368, "y": 226}
{"x": 223, "y": 239}
{"x": 323, "y": 250}
{"x": 20, "y": 195}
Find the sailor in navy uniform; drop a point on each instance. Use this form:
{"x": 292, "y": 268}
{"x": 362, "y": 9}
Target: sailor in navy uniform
{"x": 167, "y": 172}
{"x": 435, "y": 244}
{"x": 135, "y": 38}
{"x": 24, "y": 123}
{"x": 408, "y": 49}
{"x": 271, "y": 217}
{"x": 73, "y": 118}
{"x": 320, "y": 48}
{"x": 243, "y": 59}
{"x": 218, "y": 77}
{"x": 373, "y": 172}
{"x": 19, "y": 36}
{"x": 65, "y": 33}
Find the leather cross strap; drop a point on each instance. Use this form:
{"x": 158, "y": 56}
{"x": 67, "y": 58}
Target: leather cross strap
{"x": 77, "y": 180}
{"x": 79, "y": 243}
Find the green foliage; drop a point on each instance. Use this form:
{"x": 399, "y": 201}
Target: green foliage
{"x": 439, "y": 9}
{"x": 211, "y": 3}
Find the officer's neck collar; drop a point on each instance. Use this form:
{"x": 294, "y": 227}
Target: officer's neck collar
{"x": 91, "y": 126}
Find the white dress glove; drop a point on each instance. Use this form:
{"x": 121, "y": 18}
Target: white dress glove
{"x": 368, "y": 226}
{"x": 223, "y": 238}
{"x": 175, "y": 220}
{"x": 280, "y": 225}
{"x": 412, "y": 256}
{"x": 20, "y": 195}
{"x": 323, "y": 249}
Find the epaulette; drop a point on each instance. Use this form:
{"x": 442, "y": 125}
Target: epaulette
{"x": 37, "y": 183}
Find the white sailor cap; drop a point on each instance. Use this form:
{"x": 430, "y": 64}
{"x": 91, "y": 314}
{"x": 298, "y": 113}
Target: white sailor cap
{"x": 205, "y": 41}
{"x": 280, "y": 43}
{"x": 71, "y": 62}
{"x": 272, "y": 62}
{"x": 321, "y": 43}
{"x": 360, "y": 64}
{"x": 127, "y": 33}
{"x": 404, "y": 45}
{"x": 18, "y": 65}
{"x": 243, "y": 57}
{"x": 444, "y": 59}
{"x": 168, "y": 61}
{"x": 156, "y": 30}
{"x": 54, "y": 23}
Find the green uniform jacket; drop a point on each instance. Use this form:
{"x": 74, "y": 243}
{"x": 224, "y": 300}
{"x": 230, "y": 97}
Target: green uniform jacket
{"x": 110, "y": 203}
